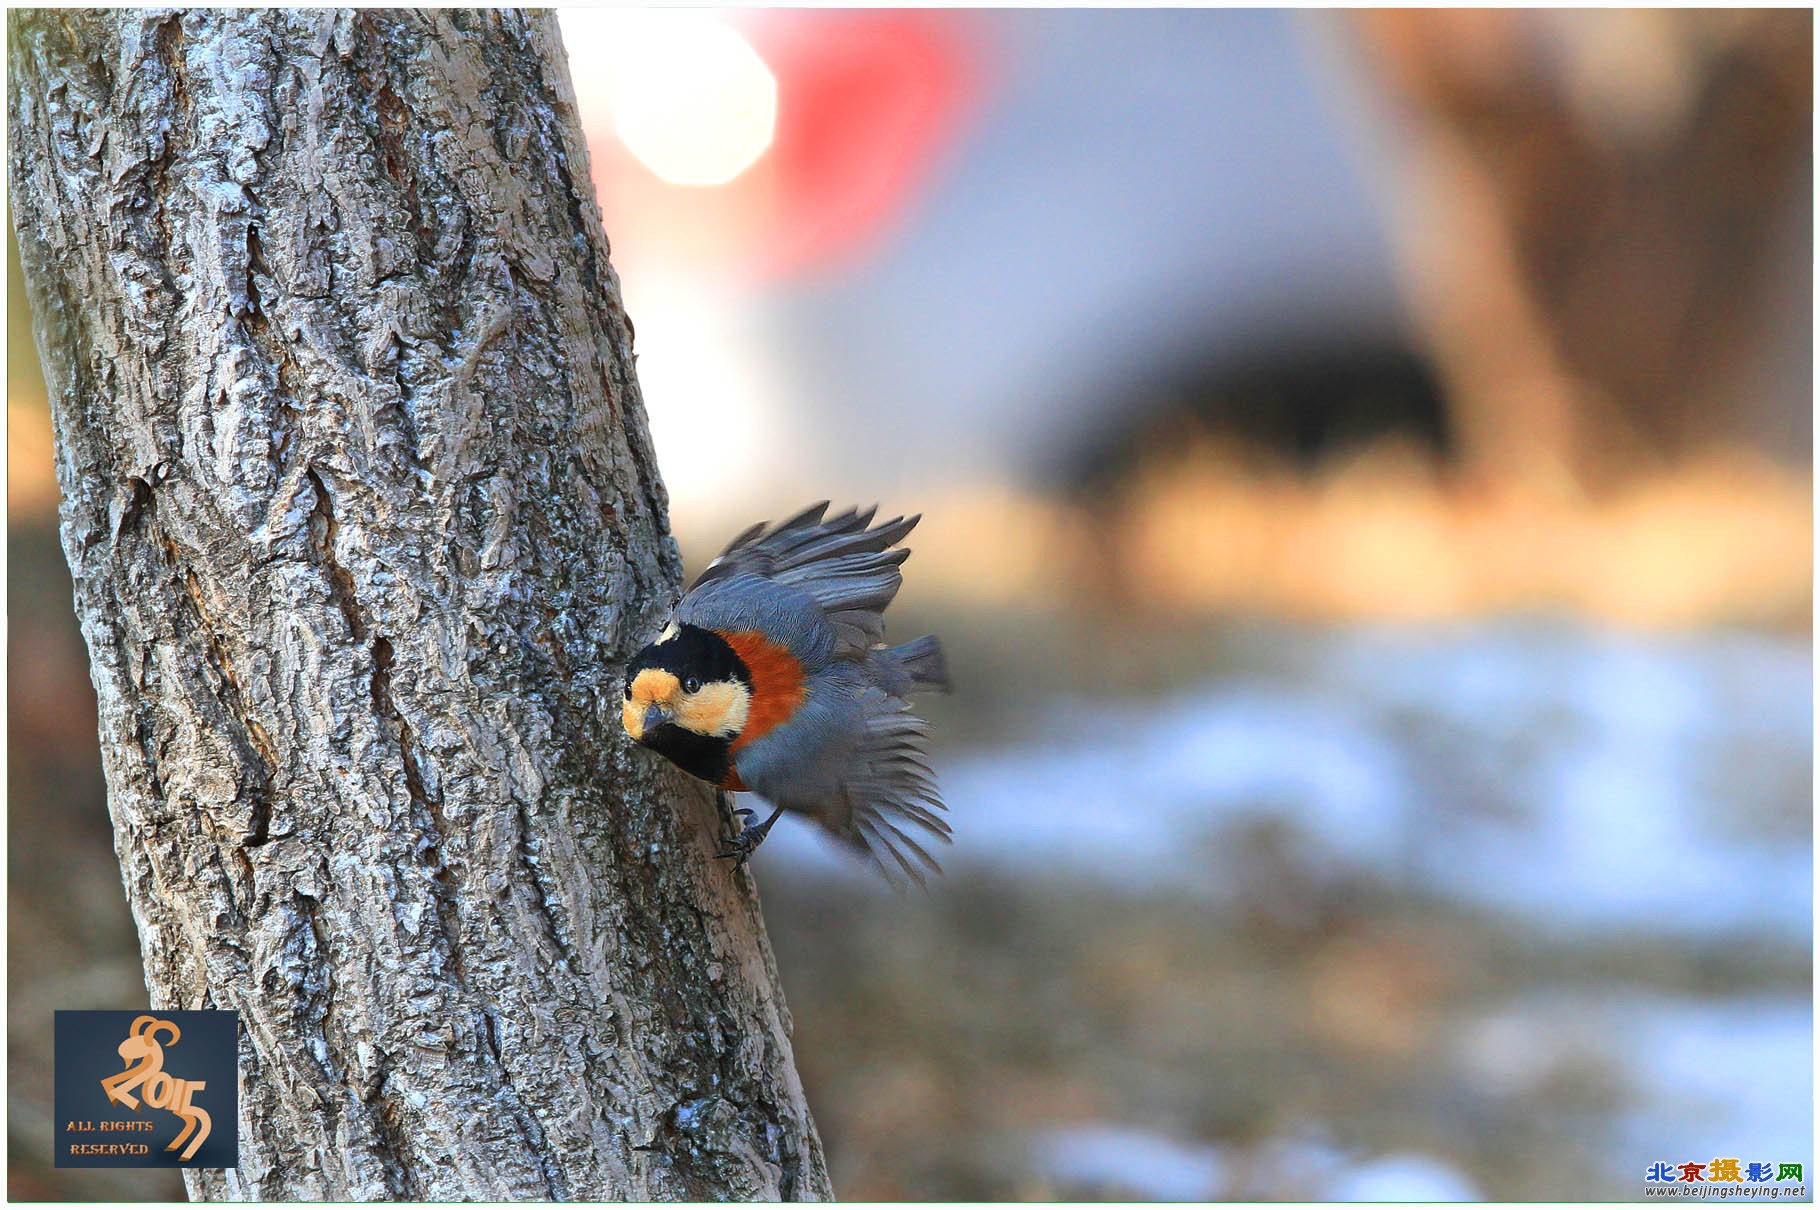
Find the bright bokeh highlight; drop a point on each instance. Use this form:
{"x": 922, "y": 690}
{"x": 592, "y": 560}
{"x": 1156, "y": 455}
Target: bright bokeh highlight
{"x": 692, "y": 100}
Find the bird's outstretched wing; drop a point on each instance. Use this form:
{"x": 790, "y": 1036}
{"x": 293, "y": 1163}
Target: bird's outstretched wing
{"x": 891, "y": 805}
{"x": 846, "y": 568}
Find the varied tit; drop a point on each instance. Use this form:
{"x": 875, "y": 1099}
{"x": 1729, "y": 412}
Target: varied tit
{"x": 772, "y": 677}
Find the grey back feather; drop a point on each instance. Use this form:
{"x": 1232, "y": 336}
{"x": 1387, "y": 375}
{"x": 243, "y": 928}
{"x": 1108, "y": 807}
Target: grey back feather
{"x": 846, "y": 569}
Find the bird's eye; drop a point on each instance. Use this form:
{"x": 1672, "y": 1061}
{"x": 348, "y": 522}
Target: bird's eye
{"x": 692, "y": 685}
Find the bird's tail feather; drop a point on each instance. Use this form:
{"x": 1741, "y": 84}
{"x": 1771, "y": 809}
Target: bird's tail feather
{"x": 922, "y": 661}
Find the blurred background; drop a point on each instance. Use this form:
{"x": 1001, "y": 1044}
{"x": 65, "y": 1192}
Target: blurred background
{"x": 1366, "y": 461}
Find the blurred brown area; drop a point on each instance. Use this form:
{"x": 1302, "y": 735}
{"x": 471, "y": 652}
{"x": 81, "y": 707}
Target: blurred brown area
{"x": 1613, "y": 244}
{"x": 1606, "y": 225}
{"x": 938, "y": 1039}
{"x": 71, "y": 942}
{"x": 1198, "y": 526}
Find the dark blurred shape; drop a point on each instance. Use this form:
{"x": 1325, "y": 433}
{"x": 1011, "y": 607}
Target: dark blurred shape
{"x": 1306, "y": 403}
{"x": 1615, "y": 253}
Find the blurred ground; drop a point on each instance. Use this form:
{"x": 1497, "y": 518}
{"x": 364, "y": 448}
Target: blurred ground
{"x": 1504, "y": 911}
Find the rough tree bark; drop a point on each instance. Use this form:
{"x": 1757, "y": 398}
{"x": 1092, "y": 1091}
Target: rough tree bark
{"x": 364, "y": 521}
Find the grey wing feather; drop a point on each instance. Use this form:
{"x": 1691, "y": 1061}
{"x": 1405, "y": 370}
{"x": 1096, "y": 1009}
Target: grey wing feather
{"x": 846, "y": 568}
{"x": 852, "y": 760}
{"x": 803, "y": 520}
{"x": 891, "y": 792}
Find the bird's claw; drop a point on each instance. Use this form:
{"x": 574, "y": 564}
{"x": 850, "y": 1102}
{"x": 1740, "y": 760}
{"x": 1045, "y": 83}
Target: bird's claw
{"x": 739, "y": 849}
{"x": 750, "y": 836}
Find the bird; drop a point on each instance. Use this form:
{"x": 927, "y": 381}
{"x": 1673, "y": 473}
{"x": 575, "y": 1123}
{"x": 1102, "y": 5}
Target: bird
{"x": 772, "y": 676}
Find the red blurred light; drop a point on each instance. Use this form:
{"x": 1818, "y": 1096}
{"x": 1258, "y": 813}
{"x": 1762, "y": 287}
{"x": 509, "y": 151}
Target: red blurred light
{"x": 867, "y": 101}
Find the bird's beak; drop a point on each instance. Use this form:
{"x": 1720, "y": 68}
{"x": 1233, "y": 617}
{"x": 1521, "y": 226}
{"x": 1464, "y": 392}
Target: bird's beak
{"x": 655, "y": 717}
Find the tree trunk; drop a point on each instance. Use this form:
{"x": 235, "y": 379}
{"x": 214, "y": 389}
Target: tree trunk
{"x": 364, "y": 522}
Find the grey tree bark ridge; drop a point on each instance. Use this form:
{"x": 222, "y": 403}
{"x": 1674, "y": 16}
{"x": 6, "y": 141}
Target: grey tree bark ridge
{"x": 364, "y": 520}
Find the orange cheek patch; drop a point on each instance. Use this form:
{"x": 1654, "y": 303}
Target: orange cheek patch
{"x": 777, "y": 682}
